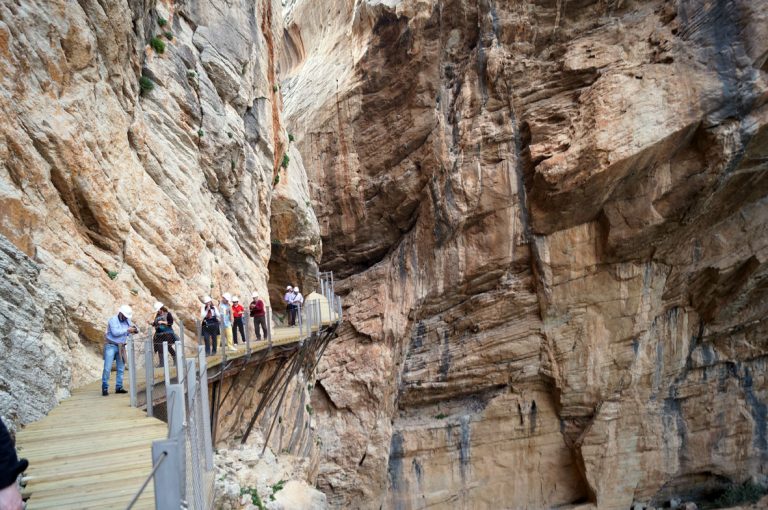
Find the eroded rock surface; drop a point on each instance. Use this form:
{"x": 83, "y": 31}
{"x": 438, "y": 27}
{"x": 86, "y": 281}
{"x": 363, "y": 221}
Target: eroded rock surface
{"x": 121, "y": 194}
{"x": 551, "y": 220}
{"x": 41, "y": 353}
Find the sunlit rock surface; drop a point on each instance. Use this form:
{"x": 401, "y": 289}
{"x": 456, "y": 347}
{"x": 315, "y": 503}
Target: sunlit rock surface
{"x": 551, "y": 222}
{"x": 123, "y": 195}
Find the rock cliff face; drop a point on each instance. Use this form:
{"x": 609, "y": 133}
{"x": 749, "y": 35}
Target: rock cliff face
{"x": 551, "y": 222}
{"x": 139, "y": 150}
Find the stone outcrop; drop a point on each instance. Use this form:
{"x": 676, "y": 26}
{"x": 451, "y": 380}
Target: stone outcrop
{"x": 138, "y": 149}
{"x": 551, "y": 220}
{"x": 41, "y": 356}
{"x": 247, "y": 479}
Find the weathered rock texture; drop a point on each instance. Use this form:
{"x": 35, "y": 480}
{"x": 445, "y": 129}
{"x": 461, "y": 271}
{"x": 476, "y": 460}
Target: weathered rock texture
{"x": 127, "y": 196}
{"x": 293, "y": 447}
{"x": 41, "y": 351}
{"x": 551, "y": 217}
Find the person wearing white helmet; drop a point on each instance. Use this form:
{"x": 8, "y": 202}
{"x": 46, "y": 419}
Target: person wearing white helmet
{"x": 209, "y": 315}
{"x": 163, "y": 324}
{"x": 289, "y": 307}
{"x": 237, "y": 320}
{"x": 298, "y": 302}
{"x": 119, "y": 328}
{"x": 225, "y": 311}
{"x": 258, "y": 311}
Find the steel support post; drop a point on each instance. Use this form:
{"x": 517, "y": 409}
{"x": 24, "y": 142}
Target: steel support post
{"x": 168, "y": 486}
{"x": 166, "y": 369}
{"x": 149, "y": 373}
{"x": 203, "y": 372}
{"x": 132, "y": 369}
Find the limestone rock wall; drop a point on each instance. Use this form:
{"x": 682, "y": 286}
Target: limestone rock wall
{"x": 119, "y": 194}
{"x": 41, "y": 353}
{"x": 550, "y": 219}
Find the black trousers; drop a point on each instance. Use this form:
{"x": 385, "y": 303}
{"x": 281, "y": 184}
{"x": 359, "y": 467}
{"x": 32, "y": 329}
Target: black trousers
{"x": 210, "y": 336}
{"x": 292, "y": 315}
{"x": 238, "y": 324}
{"x": 157, "y": 344}
{"x": 260, "y": 321}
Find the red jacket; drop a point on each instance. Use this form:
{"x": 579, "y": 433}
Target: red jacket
{"x": 237, "y": 310}
{"x": 257, "y": 308}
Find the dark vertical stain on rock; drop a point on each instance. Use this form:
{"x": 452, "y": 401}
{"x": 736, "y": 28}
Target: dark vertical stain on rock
{"x": 395, "y": 467}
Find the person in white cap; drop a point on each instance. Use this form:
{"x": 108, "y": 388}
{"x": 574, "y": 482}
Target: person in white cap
{"x": 258, "y": 311}
{"x": 119, "y": 328}
{"x": 225, "y": 312}
{"x": 163, "y": 324}
{"x": 289, "y": 308}
{"x": 237, "y": 320}
{"x": 209, "y": 315}
{"x": 298, "y": 302}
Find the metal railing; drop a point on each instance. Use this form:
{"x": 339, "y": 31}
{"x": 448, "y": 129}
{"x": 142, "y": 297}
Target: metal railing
{"x": 183, "y": 470}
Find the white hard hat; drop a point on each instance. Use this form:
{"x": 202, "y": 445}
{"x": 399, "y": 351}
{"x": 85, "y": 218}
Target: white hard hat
{"x": 158, "y": 305}
{"x": 255, "y": 295}
{"x": 126, "y": 311}
{"x": 207, "y": 299}
{"x": 227, "y": 296}
{"x": 295, "y": 289}
{"x": 235, "y": 299}
{"x": 289, "y": 288}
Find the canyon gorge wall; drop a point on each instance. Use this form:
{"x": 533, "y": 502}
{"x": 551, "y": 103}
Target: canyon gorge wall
{"x": 550, "y": 220}
{"x": 140, "y": 148}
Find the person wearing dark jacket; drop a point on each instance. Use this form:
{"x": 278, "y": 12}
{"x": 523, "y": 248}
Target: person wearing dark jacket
{"x": 259, "y": 314}
{"x": 163, "y": 324}
{"x": 10, "y": 469}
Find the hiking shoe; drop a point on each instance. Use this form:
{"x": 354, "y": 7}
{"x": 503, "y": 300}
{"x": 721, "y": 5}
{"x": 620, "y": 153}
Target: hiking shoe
{"x": 104, "y": 393}
{"x": 120, "y": 390}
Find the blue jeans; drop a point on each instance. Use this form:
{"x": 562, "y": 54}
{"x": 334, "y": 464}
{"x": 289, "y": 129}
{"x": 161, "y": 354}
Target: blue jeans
{"x": 111, "y": 352}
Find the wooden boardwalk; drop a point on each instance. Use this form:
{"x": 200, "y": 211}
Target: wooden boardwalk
{"x": 90, "y": 452}
{"x": 94, "y": 452}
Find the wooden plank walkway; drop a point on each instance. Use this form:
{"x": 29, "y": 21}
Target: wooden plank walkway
{"x": 90, "y": 452}
{"x": 94, "y": 452}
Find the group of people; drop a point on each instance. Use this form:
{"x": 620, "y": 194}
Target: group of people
{"x": 293, "y": 302}
{"x": 228, "y": 317}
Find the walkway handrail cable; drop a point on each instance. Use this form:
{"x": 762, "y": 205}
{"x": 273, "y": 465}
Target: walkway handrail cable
{"x": 157, "y": 465}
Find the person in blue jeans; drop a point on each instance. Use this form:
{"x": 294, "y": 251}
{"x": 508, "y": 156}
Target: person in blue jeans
{"x": 119, "y": 328}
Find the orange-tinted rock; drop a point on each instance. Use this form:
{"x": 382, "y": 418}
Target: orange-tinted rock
{"x": 551, "y": 202}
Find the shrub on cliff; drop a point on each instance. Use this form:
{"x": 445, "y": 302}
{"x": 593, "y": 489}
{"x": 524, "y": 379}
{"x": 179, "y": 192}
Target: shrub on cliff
{"x": 157, "y": 44}
{"x": 734, "y": 495}
{"x": 146, "y": 84}
{"x": 286, "y": 160}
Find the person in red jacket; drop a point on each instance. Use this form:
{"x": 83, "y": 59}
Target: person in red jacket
{"x": 259, "y": 313}
{"x": 237, "y": 315}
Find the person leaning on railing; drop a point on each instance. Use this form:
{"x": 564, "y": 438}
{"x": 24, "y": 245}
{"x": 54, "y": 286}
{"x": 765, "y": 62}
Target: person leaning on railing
{"x": 10, "y": 469}
{"x": 119, "y": 328}
{"x": 163, "y": 324}
{"x": 210, "y": 326}
{"x": 258, "y": 311}
{"x": 237, "y": 319}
